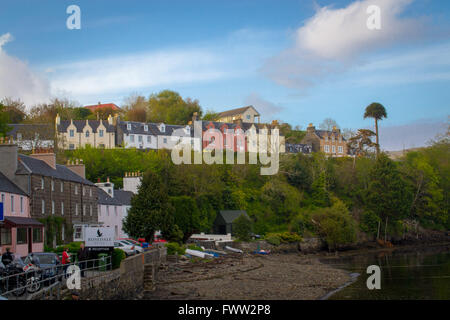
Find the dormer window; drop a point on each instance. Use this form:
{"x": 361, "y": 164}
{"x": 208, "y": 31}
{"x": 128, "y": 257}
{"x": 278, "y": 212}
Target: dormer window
{"x": 188, "y": 130}
{"x": 129, "y": 126}
{"x": 145, "y": 127}
{"x": 87, "y": 134}
{"x": 101, "y": 132}
{"x": 162, "y": 128}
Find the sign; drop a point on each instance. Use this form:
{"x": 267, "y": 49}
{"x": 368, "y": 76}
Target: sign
{"x": 1, "y": 212}
{"x": 99, "y": 237}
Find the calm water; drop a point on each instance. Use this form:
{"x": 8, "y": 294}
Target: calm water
{"x": 413, "y": 274}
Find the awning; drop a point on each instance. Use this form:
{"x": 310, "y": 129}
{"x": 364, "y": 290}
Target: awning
{"x": 22, "y": 222}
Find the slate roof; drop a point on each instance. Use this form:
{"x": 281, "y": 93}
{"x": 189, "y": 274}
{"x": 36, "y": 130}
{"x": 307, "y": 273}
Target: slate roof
{"x": 230, "y": 215}
{"x": 104, "y": 198}
{"x": 324, "y": 133}
{"x": 21, "y": 221}
{"x": 235, "y": 111}
{"x": 298, "y": 148}
{"x": 7, "y": 185}
{"x": 124, "y": 197}
{"x": 153, "y": 128}
{"x": 30, "y": 165}
{"x": 80, "y": 124}
{"x": 45, "y": 131}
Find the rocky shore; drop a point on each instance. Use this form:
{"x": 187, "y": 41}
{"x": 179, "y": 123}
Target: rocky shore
{"x": 287, "y": 276}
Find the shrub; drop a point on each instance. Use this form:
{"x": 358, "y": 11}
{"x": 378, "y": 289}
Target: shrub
{"x": 194, "y": 247}
{"x": 117, "y": 256}
{"x": 369, "y": 222}
{"x": 273, "y": 238}
{"x": 242, "y": 228}
{"x": 175, "y": 247}
{"x": 282, "y": 237}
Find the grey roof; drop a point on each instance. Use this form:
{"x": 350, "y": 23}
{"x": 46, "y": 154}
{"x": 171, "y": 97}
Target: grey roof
{"x": 153, "y": 128}
{"x": 45, "y": 131}
{"x": 298, "y": 148}
{"x": 104, "y": 198}
{"x": 80, "y": 124}
{"x": 230, "y": 215}
{"x": 323, "y": 133}
{"x": 235, "y": 111}
{"x": 22, "y": 221}
{"x": 7, "y": 185}
{"x": 124, "y": 197}
{"x": 30, "y": 165}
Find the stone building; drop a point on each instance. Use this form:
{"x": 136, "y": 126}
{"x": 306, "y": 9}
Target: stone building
{"x": 331, "y": 143}
{"x": 73, "y": 134}
{"x": 54, "y": 190}
{"x": 246, "y": 114}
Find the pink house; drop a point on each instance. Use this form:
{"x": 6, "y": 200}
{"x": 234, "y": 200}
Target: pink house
{"x": 18, "y": 231}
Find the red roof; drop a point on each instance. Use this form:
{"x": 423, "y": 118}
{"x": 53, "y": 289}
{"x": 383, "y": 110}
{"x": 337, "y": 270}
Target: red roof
{"x": 102, "y": 105}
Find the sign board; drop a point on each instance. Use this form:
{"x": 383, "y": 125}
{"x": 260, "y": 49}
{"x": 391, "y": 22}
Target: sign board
{"x": 99, "y": 237}
{"x": 1, "y": 212}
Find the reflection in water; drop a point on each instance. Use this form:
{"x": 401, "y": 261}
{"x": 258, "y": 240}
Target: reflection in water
{"x": 419, "y": 274}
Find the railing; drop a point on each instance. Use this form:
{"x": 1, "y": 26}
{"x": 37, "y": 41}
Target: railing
{"x": 24, "y": 284}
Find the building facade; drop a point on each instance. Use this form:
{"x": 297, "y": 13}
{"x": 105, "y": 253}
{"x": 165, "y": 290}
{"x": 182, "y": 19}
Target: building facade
{"x": 246, "y": 114}
{"x": 18, "y": 231}
{"x": 331, "y": 143}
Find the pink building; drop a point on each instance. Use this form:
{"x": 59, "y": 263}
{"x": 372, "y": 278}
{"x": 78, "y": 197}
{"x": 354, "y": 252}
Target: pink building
{"x": 18, "y": 231}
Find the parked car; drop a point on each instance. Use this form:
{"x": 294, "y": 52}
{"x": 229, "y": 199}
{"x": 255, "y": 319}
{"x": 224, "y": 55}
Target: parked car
{"x": 135, "y": 242}
{"x": 137, "y": 248}
{"x": 127, "y": 248}
{"x": 49, "y": 264}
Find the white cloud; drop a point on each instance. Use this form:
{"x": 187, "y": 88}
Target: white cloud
{"x": 266, "y": 108}
{"x": 412, "y": 135}
{"x": 17, "y": 80}
{"x": 334, "y": 40}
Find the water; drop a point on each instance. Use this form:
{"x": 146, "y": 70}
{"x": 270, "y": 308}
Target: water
{"x": 417, "y": 274}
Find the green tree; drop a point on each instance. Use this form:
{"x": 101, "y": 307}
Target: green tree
{"x": 242, "y": 228}
{"x": 169, "y": 107}
{"x": 4, "y": 120}
{"x": 150, "y": 208}
{"x": 378, "y": 112}
{"x": 15, "y": 109}
{"x": 388, "y": 195}
{"x": 186, "y": 215}
{"x": 210, "y": 116}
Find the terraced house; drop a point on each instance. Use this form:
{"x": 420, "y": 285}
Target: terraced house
{"x": 73, "y": 134}
{"x": 58, "y": 194}
{"x": 331, "y": 142}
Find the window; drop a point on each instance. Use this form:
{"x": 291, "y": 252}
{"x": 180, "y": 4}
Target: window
{"x": 340, "y": 149}
{"x": 326, "y": 138}
{"x": 90, "y": 210}
{"x": 128, "y": 126}
{"x": 63, "y": 231}
{"x": 37, "y": 235}
{"x": 149, "y": 139}
{"x": 87, "y": 134}
{"x": 76, "y": 189}
{"x": 43, "y": 206}
{"x": 140, "y": 138}
{"x": 62, "y": 208}
{"x": 62, "y": 186}
{"x": 165, "y": 140}
{"x": 21, "y": 204}
{"x": 22, "y": 235}
{"x": 76, "y": 209}
{"x": 333, "y": 149}
{"x": 100, "y": 133}
{"x": 332, "y": 138}
{"x": 131, "y": 138}
{"x": 83, "y": 190}
{"x": 145, "y": 128}
{"x": 53, "y": 207}
{"x": 12, "y": 203}
{"x": 53, "y": 185}
{"x": 84, "y": 209}
{"x": 5, "y": 236}
{"x": 71, "y": 133}
{"x": 78, "y": 232}
{"x": 163, "y": 128}
{"x": 42, "y": 183}
{"x": 71, "y": 146}
{"x": 115, "y": 210}
{"x": 90, "y": 192}
{"x": 248, "y": 117}
{"x": 327, "y": 148}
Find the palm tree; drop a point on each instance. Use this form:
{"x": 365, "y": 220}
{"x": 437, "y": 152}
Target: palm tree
{"x": 378, "y": 112}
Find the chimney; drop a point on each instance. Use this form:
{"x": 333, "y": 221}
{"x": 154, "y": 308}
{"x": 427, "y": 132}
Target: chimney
{"x": 77, "y": 167}
{"x": 275, "y": 122}
{"x": 8, "y": 157}
{"x": 110, "y": 120}
{"x": 45, "y": 154}
{"x": 311, "y": 128}
{"x": 194, "y": 117}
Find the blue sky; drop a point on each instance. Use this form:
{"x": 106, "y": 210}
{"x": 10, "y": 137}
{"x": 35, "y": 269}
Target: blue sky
{"x": 296, "y": 61}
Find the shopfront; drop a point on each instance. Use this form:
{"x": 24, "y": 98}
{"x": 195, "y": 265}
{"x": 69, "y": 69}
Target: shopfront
{"x": 22, "y": 235}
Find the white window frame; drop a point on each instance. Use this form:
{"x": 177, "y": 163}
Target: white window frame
{"x": 62, "y": 208}
{"x": 43, "y": 206}
{"x": 53, "y": 207}
{"x": 21, "y": 204}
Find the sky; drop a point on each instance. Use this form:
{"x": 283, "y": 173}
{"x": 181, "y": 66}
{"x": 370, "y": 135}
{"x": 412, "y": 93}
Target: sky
{"x": 298, "y": 61}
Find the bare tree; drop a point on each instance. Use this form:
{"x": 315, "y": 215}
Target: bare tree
{"x": 328, "y": 124}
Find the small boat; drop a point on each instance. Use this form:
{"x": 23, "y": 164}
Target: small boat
{"x": 261, "y": 252}
{"x": 233, "y": 249}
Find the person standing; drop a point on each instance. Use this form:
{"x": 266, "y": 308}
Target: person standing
{"x": 82, "y": 257}
{"x": 7, "y": 257}
{"x": 65, "y": 260}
